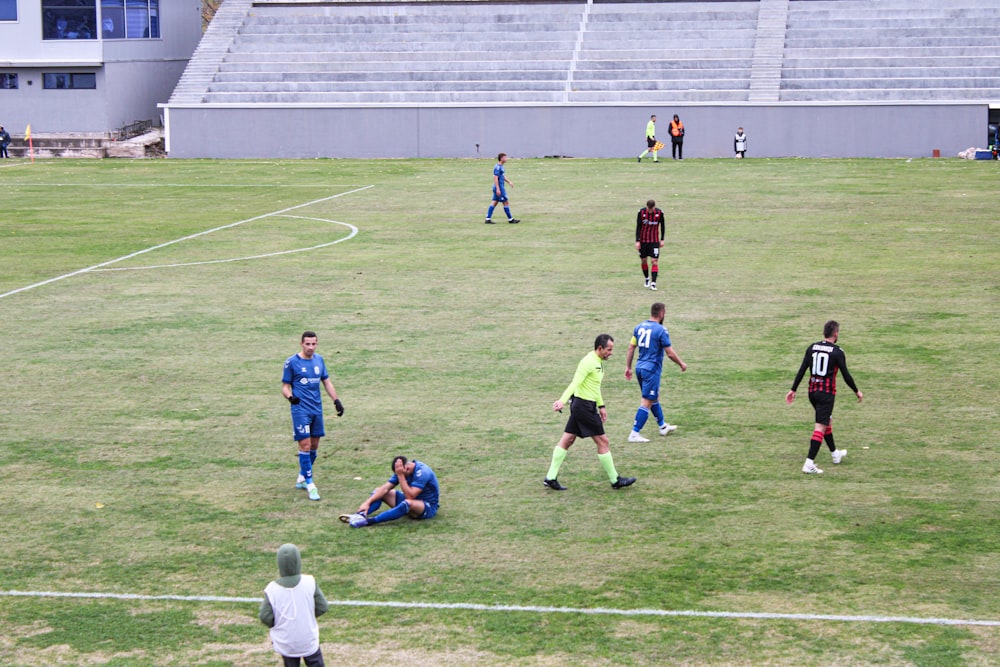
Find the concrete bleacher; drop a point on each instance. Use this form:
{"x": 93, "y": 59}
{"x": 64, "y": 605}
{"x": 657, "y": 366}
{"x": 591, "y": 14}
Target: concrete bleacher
{"x": 635, "y": 52}
{"x": 891, "y": 50}
{"x": 412, "y": 53}
{"x": 316, "y": 53}
{"x": 479, "y": 52}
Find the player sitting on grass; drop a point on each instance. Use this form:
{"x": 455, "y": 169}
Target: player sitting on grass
{"x": 416, "y": 497}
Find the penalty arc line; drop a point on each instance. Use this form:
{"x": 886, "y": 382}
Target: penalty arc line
{"x": 185, "y": 238}
{"x": 460, "y": 606}
{"x": 354, "y": 232}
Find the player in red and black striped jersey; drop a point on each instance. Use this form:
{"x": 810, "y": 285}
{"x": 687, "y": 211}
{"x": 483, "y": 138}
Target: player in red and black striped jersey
{"x": 823, "y": 360}
{"x": 650, "y": 230}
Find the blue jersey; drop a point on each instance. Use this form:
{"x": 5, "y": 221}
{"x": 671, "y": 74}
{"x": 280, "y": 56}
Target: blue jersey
{"x": 305, "y": 376}
{"x": 652, "y": 340}
{"x": 500, "y": 174}
{"x": 423, "y": 478}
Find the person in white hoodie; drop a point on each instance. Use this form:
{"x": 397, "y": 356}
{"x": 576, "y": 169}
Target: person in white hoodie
{"x": 290, "y": 607}
{"x": 740, "y": 143}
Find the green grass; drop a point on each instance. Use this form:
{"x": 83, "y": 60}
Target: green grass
{"x": 145, "y": 447}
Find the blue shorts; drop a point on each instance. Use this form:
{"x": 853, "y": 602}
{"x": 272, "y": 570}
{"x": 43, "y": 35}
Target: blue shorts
{"x": 649, "y": 382}
{"x": 306, "y": 425}
{"x": 500, "y": 196}
{"x": 429, "y": 510}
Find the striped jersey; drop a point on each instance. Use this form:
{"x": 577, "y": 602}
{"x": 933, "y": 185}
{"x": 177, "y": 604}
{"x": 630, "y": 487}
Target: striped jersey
{"x": 650, "y": 226}
{"x": 823, "y": 360}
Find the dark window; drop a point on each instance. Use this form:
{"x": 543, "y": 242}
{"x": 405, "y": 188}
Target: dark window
{"x": 130, "y": 19}
{"x": 69, "y": 19}
{"x": 8, "y": 10}
{"x": 69, "y": 81}
{"x": 8, "y": 81}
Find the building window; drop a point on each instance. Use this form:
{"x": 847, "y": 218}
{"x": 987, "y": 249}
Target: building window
{"x": 8, "y": 10}
{"x": 130, "y": 19}
{"x": 69, "y": 81}
{"x": 8, "y": 81}
{"x": 69, "y": 19}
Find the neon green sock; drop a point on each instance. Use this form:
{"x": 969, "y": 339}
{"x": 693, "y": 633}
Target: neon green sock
{"x": 558, "y": 456}
{"x": 608, "y": 463}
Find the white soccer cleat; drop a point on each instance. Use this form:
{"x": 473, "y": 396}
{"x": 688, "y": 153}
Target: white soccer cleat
{"x": 652, "y": 286}
{"x": 838, "y": 455}
{"x": 811, "y": 469}
{"x": 647, "y": 283}
{"x": 667, "y": 428}
{"x": 635, "y": 437}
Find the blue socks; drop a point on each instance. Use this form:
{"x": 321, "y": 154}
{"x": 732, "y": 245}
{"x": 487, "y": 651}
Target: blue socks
{"x": 641, "y": 415}
{"x": 397, "y": 512}
{"x": 506, "y": 209}
{"x": 305, "y": 465}
{"x": 658, "y": 413}
{"x": 489, "y": 212}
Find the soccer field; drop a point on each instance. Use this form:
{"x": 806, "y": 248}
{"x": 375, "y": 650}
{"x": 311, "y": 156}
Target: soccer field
{"x": 147, "y": 464}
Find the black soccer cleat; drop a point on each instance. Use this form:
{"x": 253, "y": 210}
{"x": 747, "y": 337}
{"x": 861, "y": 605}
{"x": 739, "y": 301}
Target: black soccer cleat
{"x": 555, "y": 485}
{"x": 623, "y": 482}
{"x": 514, "y": 221}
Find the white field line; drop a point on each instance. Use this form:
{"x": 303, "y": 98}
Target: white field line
{"x": 354, "y": 231}
{"x": 186, "y": 186}
{"x": 185, "y": 238}
{"x": 844, "y": 618}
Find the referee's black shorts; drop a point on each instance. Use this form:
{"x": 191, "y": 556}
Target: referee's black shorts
{"x": 584, "y": 419}
{"x": 823, "y": 402}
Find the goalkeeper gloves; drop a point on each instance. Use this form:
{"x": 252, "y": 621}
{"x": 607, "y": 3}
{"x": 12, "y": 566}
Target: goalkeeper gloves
{"x": 340, "y": 407}
{"x": 294, "y": 400}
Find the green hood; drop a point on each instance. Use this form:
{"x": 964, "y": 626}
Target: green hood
{"x": 289, "y": 565}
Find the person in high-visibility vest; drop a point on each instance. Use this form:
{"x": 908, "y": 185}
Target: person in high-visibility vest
{"x": 677, "y": 138}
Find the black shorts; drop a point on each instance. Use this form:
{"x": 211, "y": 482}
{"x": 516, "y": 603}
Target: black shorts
{"x": 584, "y": 419}
{"x": 650, "y": 141}
{"x": 823, "y": 402}
{"x": 649, "y": 250}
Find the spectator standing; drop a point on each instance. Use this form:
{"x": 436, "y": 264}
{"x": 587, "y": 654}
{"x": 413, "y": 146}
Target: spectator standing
{"x": 823, "y": 360}
{"x": 290, "y": 607}
{"x": 740, "y": 143}
{"x": 4, "y": 142}
{"x": 677, "y": 138}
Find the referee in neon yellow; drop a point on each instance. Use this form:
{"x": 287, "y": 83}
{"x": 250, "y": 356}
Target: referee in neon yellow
{"x": 586, "y": 415}
{"x": 650, "y": 140}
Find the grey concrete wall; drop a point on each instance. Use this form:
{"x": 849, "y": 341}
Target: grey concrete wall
{"x": 896, "y": 130}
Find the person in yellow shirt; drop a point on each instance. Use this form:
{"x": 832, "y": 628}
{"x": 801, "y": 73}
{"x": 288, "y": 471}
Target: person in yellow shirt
{"x": 587, "y": 416}
{"x": 650, "y": 140}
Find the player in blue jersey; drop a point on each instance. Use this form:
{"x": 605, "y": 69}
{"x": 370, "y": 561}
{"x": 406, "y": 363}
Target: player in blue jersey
{"x": 500, "y": 183}
{"x": 652, "y": 340}
{"x": 416, "y": 497}
{"x": 304, "y": 372}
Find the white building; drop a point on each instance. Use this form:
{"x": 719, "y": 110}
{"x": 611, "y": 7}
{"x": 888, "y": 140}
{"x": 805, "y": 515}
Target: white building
{"x": 91, "y": 65}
